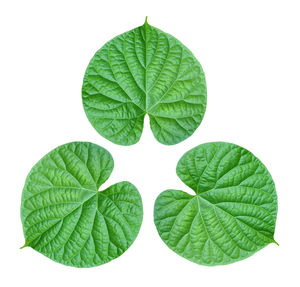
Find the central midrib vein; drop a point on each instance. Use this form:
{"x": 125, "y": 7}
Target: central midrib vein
{"x": 94, "y": 193}
{"x": 199, "y": 197}
{"x": 146, "y": 93}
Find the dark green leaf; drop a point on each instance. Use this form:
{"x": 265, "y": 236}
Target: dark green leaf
{"x": 64, "y": 215}
{"x": 144, "y": 71}
{"x": 231, "y": 216}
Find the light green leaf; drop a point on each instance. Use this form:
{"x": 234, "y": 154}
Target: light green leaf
{"x": 64, "y": 215}
{"x": 231, "y": 216}
{"x": 144, "y": 71}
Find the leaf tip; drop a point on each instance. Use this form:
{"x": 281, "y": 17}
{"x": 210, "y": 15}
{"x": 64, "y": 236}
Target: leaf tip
{"x": 25, "y": 245}
{"x": 146, "y": 21}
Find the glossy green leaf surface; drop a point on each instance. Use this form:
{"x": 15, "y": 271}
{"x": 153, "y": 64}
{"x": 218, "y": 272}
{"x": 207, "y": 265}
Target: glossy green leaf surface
{"x": 66, "y": 217}
{"x": 144, "y": 71}
{"x": 233, "y": 212}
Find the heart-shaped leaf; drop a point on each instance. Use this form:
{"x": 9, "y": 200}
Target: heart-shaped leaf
{"x": 64, "y": 215}
{"x": 144, "y": 71}
{"x": 231, "y": 216}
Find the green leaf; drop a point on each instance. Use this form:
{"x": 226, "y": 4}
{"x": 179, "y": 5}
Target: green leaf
{"x": 64, "y": 215}
{"x": 231, "y": 216}
{"x": 144, "y": 71}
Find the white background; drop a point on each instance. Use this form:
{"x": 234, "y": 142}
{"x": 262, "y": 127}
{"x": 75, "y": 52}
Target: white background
{"x": 249, "y": 51}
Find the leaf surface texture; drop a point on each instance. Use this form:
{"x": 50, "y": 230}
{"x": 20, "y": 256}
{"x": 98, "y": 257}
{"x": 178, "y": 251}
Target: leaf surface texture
{"x": 64, "y": 215}
{"x": 144, "y": 71}
{"x": 233, "y": 212}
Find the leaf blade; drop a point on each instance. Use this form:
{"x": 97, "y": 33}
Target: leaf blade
{"x": 60, "y": 208}
{"x": 237, "y": 206}
{"x": 144, "y": 71}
